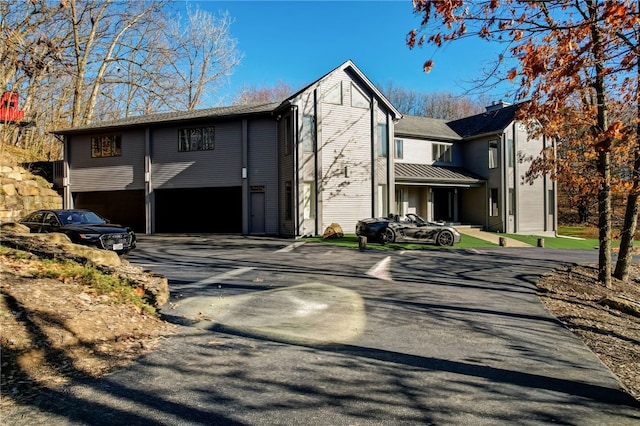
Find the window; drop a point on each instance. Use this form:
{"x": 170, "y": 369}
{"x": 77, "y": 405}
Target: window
{"x": 399, "y": 148}
{"x": 288, "y": 135}
{"x": 196, "y": 139}
{"x": 510, "y": 152}
{"x": 512, "y": 201}
{"x": 358, "y": 99}
{"x": 493, "y": 202}
{"x": 383, "y": 208}
{"x": 308, "y": 133}
{"x": 552, "y": 202}
{"x": 493, "y": 154}
{"x": 309, "y": 199}
{"x": 399, "y": 202}
{"x": 334, "y": 95}
{"x": 382, "y": 140}
{"x": 106, "y": 146}
{"x": 442, "y": 152}
{"x": 288, "y": 202}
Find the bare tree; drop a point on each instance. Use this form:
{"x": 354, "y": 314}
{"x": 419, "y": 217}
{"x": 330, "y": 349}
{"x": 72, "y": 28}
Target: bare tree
{"x": 254, "y": 95}
{"x": 443, "y": 105}
{"x": 204, "y": 54}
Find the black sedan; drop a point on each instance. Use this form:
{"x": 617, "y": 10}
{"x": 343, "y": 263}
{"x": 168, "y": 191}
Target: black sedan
{"x": 83, "y": 227}
{"x": 410, "y": 228}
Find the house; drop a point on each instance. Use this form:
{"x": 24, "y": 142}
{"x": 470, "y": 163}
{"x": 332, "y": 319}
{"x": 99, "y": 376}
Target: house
{"x": 335, "y": 151}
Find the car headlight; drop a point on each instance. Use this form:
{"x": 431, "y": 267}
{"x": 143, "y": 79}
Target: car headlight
{"x": 89, "y": 236}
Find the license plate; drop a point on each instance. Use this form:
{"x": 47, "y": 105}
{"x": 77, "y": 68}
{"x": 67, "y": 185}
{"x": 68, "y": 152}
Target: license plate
{"x": 118, "y": 246}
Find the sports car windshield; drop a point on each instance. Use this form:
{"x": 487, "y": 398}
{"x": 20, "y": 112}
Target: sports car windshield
{"x": 81, "y": 218}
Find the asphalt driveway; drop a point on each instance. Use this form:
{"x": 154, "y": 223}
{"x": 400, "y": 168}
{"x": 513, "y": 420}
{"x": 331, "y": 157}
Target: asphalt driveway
{"x": 281, "y": 332}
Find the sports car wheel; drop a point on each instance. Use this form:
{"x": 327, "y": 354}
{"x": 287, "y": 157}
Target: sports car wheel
{"x": 387, "y": 236}
{"x": 445, "y": 238}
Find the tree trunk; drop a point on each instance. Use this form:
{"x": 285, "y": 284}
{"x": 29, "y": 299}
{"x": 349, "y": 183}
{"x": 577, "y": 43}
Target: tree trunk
{"x": 631, "y": 213}
{"x": 630, "y": 219}
{"x": 603, "y": 147}
{"x": 604, "y": 219}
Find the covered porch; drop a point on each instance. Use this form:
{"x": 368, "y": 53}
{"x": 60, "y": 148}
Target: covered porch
{"x": 440, "y": 194}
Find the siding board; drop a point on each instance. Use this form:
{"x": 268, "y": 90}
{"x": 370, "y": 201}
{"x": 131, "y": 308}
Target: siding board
{"x": 263, "y": 168}
{"x": 125, "y": 172}
{"x": 220, "y": 167}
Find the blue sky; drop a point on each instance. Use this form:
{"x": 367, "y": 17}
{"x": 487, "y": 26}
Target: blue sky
{"x": 297, "y": 42}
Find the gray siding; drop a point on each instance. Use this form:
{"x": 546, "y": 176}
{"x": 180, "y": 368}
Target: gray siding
{"x": 531, "y": 198}
{"x": 476, "y": 157}
{"x": 220, "y": 167}
{"x": 346, "y": 143}
{"x": 109, "y": 173}
{"x": 262, "y": 167}
{"x": 287, "y": 226}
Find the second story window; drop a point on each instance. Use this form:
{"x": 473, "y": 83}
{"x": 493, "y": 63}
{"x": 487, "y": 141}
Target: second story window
{"x": 196, "y": 139}
{"x": 288, "y": 135}
{"x": 399, "y": 148}
{"x": 308, "y": 133}
{"x": 106, "y": 146}
{"x": 493, "y": 154}
{"x": 442, "y": 153}
{"x": 383, "y": 150}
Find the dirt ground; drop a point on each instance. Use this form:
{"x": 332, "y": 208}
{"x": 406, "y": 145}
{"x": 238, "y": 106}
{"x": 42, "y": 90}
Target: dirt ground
{"x": 55, "y": 331}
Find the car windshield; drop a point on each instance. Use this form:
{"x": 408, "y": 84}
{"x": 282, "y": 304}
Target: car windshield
{"x": 412, "y": 217}
{"x": 81, "y": 218}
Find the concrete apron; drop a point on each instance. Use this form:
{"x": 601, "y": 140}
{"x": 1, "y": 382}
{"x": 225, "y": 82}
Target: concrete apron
{"x": 491, "y": 237}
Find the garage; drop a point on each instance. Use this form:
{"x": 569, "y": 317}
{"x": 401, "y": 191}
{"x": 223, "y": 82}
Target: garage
{"x": 200, "y": 210}
{"x": 122, "y": 207}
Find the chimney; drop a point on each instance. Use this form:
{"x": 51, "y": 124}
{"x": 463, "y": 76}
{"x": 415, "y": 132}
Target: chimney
{"x": 496, "y": 105}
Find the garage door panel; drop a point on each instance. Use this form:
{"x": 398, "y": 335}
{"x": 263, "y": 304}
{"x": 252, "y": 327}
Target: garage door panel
{"x": 201, "y": 210}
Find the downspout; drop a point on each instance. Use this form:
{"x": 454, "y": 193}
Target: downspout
{"x": 391, "y": 182}
{"x": 316, "y": 130}
{"x": 244, "y": 176}
{"x": 504, "y": 183}
{"x": 516, "y": 194}
{"x": 67, "y": 201}
{"x": 374, "y": 189}
{"x": 296, "y": 137}
{"x": 149, "y": 204}
{"x": 548, "y": 181}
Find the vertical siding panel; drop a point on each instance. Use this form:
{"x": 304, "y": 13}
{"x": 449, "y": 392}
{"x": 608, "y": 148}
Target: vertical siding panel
{"x": 345, "y": 143}
{"x": 531, "y": 198}
{"x": 220, "y": 167}
{"x": 125, "y": 172}
{"x": 263, "y": 167}
{"x": 286, "y": 226}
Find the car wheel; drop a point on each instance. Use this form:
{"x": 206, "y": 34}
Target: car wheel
{"x": 387, "y": 236}
{"x": 445, "y": 238}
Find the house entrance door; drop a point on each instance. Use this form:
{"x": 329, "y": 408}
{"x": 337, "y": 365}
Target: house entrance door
{"x": 257, "y": 213}
{"x": 443, "y": 204}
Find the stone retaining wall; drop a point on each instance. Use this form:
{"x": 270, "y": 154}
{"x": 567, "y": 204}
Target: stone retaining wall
{"x": 21, "y": 193}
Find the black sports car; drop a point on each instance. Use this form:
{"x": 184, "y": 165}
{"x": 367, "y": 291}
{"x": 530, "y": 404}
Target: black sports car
{"x": 83, "y": 227}
{"x": 410, "y": 228}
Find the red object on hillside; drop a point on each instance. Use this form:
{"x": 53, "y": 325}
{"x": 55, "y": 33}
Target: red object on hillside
{"x": 9, "y": 112}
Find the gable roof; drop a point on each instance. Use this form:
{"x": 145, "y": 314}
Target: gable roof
{"x": 350, "y": 66}
{"x": 178, "y": 116}
{"x": 491, "y": 121}
{"x": 424, "y": 127}
{"x": 228, "y": 111}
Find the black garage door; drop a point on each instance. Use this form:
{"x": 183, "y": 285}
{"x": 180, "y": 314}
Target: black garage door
{"x": 200, "y": 210}
{"x": 122, "y": 207}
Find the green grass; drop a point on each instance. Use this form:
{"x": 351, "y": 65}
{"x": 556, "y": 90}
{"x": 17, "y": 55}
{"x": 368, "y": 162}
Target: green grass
{"x": 118, "y": 289}
{"x": 573, "y": 243}
{"x": 557, "y": 242}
